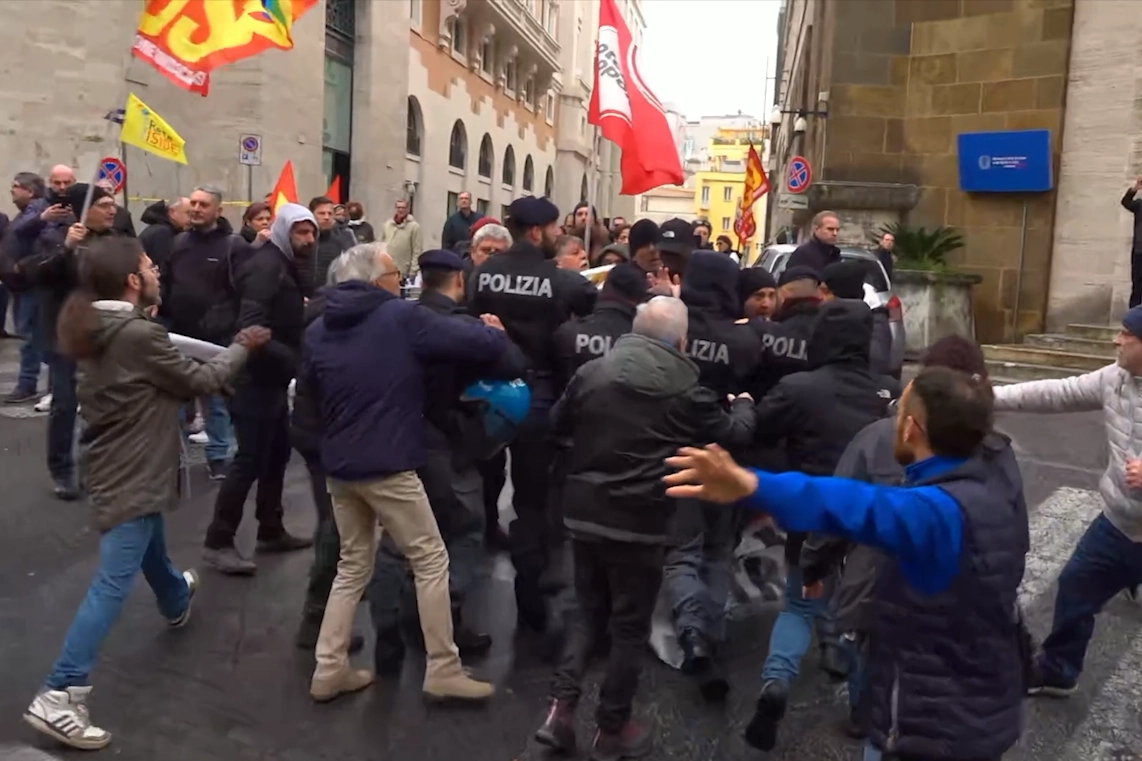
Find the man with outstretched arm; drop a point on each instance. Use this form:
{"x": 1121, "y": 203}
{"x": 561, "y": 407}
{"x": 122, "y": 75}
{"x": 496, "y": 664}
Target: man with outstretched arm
{"x": 945, "y": 653}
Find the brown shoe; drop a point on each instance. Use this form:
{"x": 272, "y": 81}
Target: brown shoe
{"x": 350, "y": 680}
{"x": 458, "y": 686}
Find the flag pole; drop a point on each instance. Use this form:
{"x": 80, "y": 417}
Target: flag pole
{"x": 592, "y": 195}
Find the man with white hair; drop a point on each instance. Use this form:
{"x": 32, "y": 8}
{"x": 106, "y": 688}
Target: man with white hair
{"x": 642, "y": 399}
{"x": 490, "y": 239}
{"x": 365, "y": 364}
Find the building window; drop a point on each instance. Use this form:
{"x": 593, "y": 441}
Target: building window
{"x": 725, "y": 224}
{"x": 459, "y": 35}
{"x": 529, "y": 93}
{"x": 414, "y": 11}
{"x": 728, "y": 193}
{"x": 528, "y": 174}
{"x": 453, "y": 204}
{"x": 482, "y": 206}
{"x": 484, "y": 165}
{"x": 341, "y": 18}
{"x": 509, "y": 167}
{"x": 414, "y": 132}
{"x": 583, "y": 188}
{"x": 550, "y": 106}
{"x": 337, "y": 100}
{"x": 644, "y": 204}
{"x": 549, "y": 183}
{"x": 582, "y": 126}
{"x": 552, "y": 19}
{"x": 511, "y": 75}
{"x": 504, "y": 213}
{"x": 488, "y": 56}
{"x": 458, "y": 146}
{"x": 705, "y": 196}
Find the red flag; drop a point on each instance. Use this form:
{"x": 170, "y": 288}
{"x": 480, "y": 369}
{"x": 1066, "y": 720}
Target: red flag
{"x": 334, "y": 192}
{"x": 285, "y": 189}
{"x": 626, "y": 111}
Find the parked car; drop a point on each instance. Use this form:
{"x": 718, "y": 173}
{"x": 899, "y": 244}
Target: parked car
{"x": 877, "y": 289}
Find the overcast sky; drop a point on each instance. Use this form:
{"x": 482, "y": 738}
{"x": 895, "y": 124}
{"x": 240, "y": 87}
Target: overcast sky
{"x": 707, "y": 57}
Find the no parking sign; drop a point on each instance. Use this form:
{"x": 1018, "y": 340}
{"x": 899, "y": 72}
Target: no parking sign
{"x": 113, "y": 169}
{"x": 798, "y": 175}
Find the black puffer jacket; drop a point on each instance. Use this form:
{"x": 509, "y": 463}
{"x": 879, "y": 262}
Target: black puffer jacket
{"x": 815, "y": 255}
{"x": 819, "y": 411}
{"x": 305, "y": 422}
{"x": 158, "y": 235}
{"x": 626, "y": 413}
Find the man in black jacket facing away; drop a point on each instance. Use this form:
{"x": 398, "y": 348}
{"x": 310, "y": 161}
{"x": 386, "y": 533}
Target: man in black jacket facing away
{"x": 454, "y": 439}
{"x": 817, "y": 413}
{"x": 1134, "y": 206}
{"x": 164, "y": 222}
{"x": 268, "y": 290}
{"x": 532, "y": 297}
{"x": 642, "y": 399}
{"x": 821, "y": 250}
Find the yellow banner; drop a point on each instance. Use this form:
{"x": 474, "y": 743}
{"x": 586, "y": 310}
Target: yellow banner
{"x": 149, "y": 132}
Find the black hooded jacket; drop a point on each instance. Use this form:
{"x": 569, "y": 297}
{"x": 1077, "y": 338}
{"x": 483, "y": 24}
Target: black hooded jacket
{"x": 577, "y": 342}
{"x": 330, "y": 245}
{"x": 198, "y": 277}
{"x": 158, "y": 235}
{"x": 819, "y": 411}
{"x": 815, "y": 255}
{"x": 726, "y": 352}
{"x": 784, "y": 342}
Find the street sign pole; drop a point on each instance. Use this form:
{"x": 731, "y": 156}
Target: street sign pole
{"x": 250, "y": 182}
{"x": 250, "y": 155}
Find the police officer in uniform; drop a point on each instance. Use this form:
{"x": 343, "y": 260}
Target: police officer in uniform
{"x": 453, "y": 438}
{"x": 532, "y": 297}
{"x": 698, "y": 565}
{"x": 785, "y": 338}
{"x": 579, "y": 341}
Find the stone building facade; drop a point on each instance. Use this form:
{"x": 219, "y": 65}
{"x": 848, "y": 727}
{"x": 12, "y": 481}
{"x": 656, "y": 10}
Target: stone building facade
{"x": 899, "y": 80}
{"x": 67, "y": 63}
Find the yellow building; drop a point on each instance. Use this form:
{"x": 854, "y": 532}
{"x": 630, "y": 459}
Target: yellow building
{"x": 720, "y": 181}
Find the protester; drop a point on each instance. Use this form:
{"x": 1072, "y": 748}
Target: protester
{"x": 17, "y": 250}
{"x": 164, "y": 221}
{"x": 256, "y": 223}
{"x": 757, "y": 289}
{"x": 377, "y": 397}
{"x": 402, "y": 238}
{"x": 945, "y": 665}
{"x": 613, "y": 253}
{"x": 333, "y": 239}
{"x": 458, "y": 226}
{"x": 488, "y": 239}
{"x": 358, "y": 224}
{"x": 123, "y": 222}
{"x": 569, "y": 253}
{"x": 132, "y": 386}
{"x": 641, "y": 400}
{"x": 268, "y": 290}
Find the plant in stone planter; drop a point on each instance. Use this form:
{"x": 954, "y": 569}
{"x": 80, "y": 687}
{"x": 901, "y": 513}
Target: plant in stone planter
{"x": 918, "y": 248}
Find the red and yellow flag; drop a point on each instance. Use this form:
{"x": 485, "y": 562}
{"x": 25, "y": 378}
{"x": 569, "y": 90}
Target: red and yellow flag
{"x": 187, "y": 39}
{"x": 756, "y": 185}
{"x": 334, "y": 192}
{"x": 285, "y": 189}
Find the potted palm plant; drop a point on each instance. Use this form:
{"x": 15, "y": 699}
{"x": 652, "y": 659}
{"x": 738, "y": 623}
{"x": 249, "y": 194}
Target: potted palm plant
{"x": 936, "y": 299}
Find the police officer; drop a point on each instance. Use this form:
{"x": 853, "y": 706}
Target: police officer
{"x": 532, "y": 297}
{"x": 579, "y": 341}
{"x": 785, "y": 338}
{"x": 698, "y": 565}
{"x": 453, "y": 438}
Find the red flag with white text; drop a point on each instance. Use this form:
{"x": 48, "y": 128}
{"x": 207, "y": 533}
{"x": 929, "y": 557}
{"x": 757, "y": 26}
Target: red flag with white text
{"x": 628, "y": 113}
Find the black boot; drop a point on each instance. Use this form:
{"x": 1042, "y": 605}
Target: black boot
{"x": 471, "y": 644}
{"x": 558, "y": 730}
{"x": 762, "y": 730}
{"x": 388, "y": 656}
{"x": 309, "y": 630}
{"x": 695, "y": 652}
{"x": 632, "y": 741}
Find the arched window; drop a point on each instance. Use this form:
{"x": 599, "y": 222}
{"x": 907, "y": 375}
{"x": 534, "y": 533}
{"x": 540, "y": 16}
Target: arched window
{"x": 583, "y": 188}
{"x": 458, "y": 146}
{"x": 414, "y": 133}
{"x": 485, "y": 163}
{"x": 509, "y": 167}
{"x": 549, "y": 183}
{"x": 528, "y": 174}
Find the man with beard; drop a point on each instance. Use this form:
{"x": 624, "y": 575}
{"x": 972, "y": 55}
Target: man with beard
{"x": 268, "y": 290}
{"x": 945, "y": 657}
{"x": 198, "y": 301}
{"x": 532, "y": 297}
{"x": 333, "y": 239}
{"x": 698, "y": 565}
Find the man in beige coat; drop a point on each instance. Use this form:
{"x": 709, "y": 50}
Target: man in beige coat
{"x": 403, "y": 242}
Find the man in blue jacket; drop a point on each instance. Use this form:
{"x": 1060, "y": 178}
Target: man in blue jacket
{"x": 365, "y": 362}
{"x": 945, "y": 651}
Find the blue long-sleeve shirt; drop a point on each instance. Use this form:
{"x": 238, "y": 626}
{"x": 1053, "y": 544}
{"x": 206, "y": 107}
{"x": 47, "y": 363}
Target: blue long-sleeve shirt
{"x": 922, "y": 526}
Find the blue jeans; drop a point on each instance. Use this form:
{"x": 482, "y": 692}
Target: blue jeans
{"x": 793, "y": 631}
{"x": 26, "y": 315}
{"x": 139, "y": 544}
{"x": 699, "y": 567}
{"x": 871, "y": 753}
{"x": 61, "y": 418}
{"x": 1104, "y": 563}
{"x": 219, "y": 431}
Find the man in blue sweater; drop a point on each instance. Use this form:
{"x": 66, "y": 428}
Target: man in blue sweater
{"x": 945, "y": 653}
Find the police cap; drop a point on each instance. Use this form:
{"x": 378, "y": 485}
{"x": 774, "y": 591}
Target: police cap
{"x": 532, "y": 212}
{"x": 441, "y": 260}
{"x": 800, "y": 272}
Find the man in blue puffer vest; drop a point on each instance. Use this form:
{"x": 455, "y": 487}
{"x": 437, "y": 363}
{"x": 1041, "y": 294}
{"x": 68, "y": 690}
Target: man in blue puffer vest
{"x": 945, "y": 661}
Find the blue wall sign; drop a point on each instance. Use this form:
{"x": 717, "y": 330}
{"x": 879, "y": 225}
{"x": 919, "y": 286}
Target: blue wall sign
{"x": 1006, "y": 162}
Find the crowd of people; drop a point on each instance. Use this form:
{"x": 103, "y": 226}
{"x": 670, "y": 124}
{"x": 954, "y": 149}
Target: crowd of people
{"x": 623, "y": 412}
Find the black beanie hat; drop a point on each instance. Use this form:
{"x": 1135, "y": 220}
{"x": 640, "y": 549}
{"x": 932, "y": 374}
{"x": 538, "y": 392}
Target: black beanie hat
{"x": 753, "y": 279}
{"x": 644, "y": 233}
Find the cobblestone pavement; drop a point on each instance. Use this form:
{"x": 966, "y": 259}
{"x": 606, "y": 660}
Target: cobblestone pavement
{"x": 232, "y": 686}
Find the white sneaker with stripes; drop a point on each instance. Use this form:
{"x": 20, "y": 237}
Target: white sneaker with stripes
{"x": 62, "y": 714}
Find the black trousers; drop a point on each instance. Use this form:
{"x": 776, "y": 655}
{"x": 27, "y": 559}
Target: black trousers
{"x": 262, "y": 456}
{"x": 494, "y": 474}
{"x": 618, "y": 581}
{"x": 1135, "y": 279}
{"x": 326, "y": 541}
{"x": 531, "y": 457}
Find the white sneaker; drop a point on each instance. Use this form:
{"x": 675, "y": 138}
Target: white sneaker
{"x": 62, "y": 714}
{"x": 191, "y": 578}
{"x": 45, "y": 404}
{"x": 198, "y": 438}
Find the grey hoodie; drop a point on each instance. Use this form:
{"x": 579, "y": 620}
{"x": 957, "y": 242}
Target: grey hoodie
{"x": 289, "y": 215}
